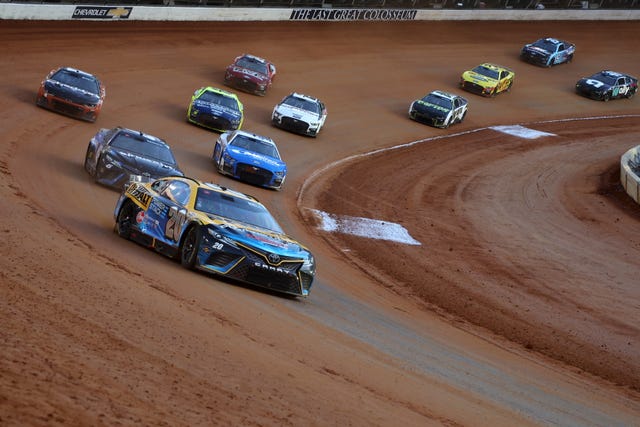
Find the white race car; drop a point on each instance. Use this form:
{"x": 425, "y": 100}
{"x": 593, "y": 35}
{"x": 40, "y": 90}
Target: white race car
{"x": 300, "y": 114}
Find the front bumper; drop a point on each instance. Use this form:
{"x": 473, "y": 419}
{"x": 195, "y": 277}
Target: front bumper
{"x": 253, "y": 174}
{"x": 69, "y": 108}
{"x": 247, "y": 266}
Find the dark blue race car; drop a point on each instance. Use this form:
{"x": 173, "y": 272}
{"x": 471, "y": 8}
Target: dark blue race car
{"x": 606, "y": 85}
{"x": 251, "y": 158}
{"x": 548, "y": 51}
{"x": 114, "y": 155}
{"x": 215, "y": 109}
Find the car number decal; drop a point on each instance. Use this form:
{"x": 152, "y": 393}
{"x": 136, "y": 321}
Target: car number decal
{"x": 175, "y": 222}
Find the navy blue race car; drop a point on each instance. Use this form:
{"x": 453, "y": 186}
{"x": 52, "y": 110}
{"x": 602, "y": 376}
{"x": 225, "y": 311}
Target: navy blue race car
{"x": 114, "y": 155}
{"x": 216, "y": 230}
{"x": 72, "y": 92}
{"x": 548, "y": 51}
{"x": 215, "y": 109}
{"x": 251, "y": 158}
{"x": 606, "y": 85}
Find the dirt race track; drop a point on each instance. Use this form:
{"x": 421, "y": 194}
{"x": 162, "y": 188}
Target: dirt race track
{"x": 520, "y": 305}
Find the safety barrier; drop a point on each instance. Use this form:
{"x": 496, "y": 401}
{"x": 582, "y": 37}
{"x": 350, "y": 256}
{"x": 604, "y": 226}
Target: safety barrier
{"x": 629, "y": 170}
{"x": 18, "y": 11}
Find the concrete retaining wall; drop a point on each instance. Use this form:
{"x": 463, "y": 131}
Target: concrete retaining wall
{"x": 159, "y": 13}
{"x": 630, "y": 181}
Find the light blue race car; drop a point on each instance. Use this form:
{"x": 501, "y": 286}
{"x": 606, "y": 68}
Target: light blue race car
{"x": 251, "y": 158}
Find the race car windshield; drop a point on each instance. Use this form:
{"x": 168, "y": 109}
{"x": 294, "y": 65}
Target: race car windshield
{"x": 255, "y": 145}
{"x": 235, "y": 208}
{"x": 216, "y": 98}
{"x": 253, "y": 65}
{"x": 303, "y": 104}
{"x": 545, "y": 45}
{"x": 439, "y": 101}
{"x": 136, "y": 145}
{"x": 71, "y": 78}
{"x": 487, "y": 72}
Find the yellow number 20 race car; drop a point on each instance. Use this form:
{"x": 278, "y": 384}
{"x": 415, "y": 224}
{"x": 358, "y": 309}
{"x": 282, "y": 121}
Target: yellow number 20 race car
{"x": 487, "y": 79}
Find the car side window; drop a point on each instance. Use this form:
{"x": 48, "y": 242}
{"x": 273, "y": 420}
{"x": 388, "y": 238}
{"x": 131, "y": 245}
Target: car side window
{"x": 159, "y": 185}
{"x": 560, "y": 48}
{"x": 621, "y": 81}
{"x": 177, "y": 191}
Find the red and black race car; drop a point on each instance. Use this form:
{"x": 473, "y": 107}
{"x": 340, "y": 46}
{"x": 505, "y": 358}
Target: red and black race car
{"x": 72, "y": 92}
{"x": 251, "y": 74}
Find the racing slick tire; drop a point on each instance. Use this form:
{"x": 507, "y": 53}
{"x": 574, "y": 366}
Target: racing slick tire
{"x": 126, "y": 216}
{"x": 461, "y": 118}
{"x": 631, "y": 94}
{"x": 508, "y": 89}
{"x": 606, "y": 97}
{"x": 86, "y": 162}
{"x": 189, "y": 247}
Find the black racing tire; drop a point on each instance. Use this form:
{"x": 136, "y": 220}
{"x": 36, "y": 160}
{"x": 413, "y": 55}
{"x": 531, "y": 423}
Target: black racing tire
{"x": 569, "y": 58}
{"x": 508, "y": 89}
{"x": 189, "y": 247}
{"x": 606, "y": 97}
{"x": 126, "y": 216}
{"x": 86, "y": 162}
{"x": 631, "y": 94}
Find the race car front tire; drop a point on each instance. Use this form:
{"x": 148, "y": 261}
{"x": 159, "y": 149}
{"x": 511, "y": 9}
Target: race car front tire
{"x": 126, "y": 216}
{"x": 86, "y": 162}
{"x": 189, "y": 247}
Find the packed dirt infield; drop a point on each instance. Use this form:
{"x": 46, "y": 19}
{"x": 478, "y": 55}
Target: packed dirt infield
{"x": 520, "y": 305}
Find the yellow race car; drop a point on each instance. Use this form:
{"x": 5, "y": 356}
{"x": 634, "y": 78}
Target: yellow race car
{"x": 487, "y": 79}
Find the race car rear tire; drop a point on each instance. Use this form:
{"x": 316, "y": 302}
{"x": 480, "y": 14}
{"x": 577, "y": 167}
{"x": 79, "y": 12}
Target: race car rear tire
{"x": 606, "y": 97}
{"x": 126, "y": 216}
{"x": 189, "y": 247}
{"x": 508, "y": 89}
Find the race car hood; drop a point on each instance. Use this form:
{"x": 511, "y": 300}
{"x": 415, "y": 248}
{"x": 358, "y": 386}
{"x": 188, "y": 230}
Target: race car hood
{"x": 432, "y": 110}
{"x": 248, "y": 74}
{"x": 254, "y": 158}
{"x": 297, "y": 113}
{"x": 259, "y": 239}
{"x": 138, "y": 165}
{"x": 480, "y": 79}
{"x": 71, "y": 93}
{"x": 592, "y": 84}
{"x": 215, "y": 109}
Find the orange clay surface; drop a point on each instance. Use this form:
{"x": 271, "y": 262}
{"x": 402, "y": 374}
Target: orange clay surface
{"x": 520, "y": 305}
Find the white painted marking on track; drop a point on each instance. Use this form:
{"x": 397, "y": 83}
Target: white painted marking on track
{"x": 521, "y": 131}
{"x": 364, "y": 227}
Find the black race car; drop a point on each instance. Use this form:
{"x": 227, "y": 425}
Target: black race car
{"x": 606, "y": 85}
{"x": 115, "y": 154}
